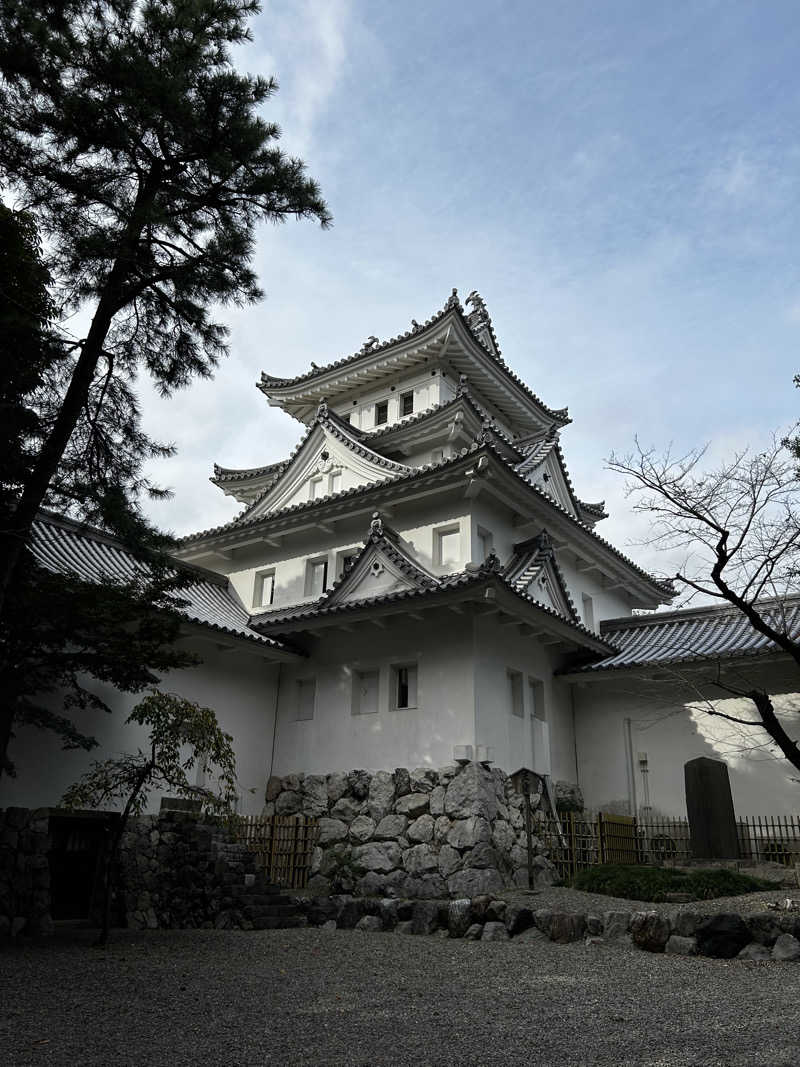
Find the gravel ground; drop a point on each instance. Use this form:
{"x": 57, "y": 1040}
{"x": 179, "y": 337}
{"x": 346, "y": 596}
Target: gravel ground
{"x": 559, "y": 898}
{"x": 314, "y": 997}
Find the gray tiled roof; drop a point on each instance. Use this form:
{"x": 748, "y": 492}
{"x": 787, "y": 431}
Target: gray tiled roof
{"x": 269, "y": 381}
{"x": 692, "y": 635}
{"x": 64, "y": 546}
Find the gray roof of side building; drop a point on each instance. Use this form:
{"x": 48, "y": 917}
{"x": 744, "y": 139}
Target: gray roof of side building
{"x": 64, "y": 546}
{"x": 692, "y": 635}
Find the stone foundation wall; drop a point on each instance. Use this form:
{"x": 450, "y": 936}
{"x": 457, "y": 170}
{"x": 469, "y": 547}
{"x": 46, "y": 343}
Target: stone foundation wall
{"x": 458, "y": 831}
{"x": 180, "y": 871}
{"x": 24, "y": 872}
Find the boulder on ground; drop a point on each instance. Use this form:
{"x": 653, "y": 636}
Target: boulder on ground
{"x": 650, "y": 930}
{"x": 459, "y": 916}
{"x": 425, "y": 916}
{"x": 474, "y": 932}
{"x": 518, "y": 917}
{"x": 494, "y": 931}
{"x": 786, "y": 947}
{"x": 755, "y": 951}
{"x": 370, "y": 924}
{"x": 681, "y": 946}
{"x": 722, "y": 936}
{"x": 567, "y": 926}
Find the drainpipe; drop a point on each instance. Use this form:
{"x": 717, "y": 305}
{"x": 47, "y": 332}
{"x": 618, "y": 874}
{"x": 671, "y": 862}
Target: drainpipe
{"x": 629, "y": 766}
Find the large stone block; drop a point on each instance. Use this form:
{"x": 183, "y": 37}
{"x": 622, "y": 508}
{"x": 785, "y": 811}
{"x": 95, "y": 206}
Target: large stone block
{"x": 402, "y": 782}
{"x": 441, "y": 829}
{"x": 483, "y": 855}
{"x": 494, "y": 931}
{"x": 518, "y": 917}
{"x": 421, "y": 829}
{"x": 470, "y": 793}
{"x": 337, "y": 786}
{"x": 709, "y": 805}
{"x": 680, "y": 946}
{"x": 378, "y": 856}
{"x": 315, "y": 795}
{"x": 474, "y": 882}
{"x": 362, "y": 828}
{"x": 288, "y": 803}
{"x": 381, "y": 795}
{"x": 423, "y": 780}
{"x": 346, "y": 809}
{"x": 331, "y": 830}
{"x": 358, "y": 783}
{"x": 459, "y": 917}
{"x": 449, "y": 860}
{"x": 425, "y": 917}
{"x": 412, "y": 805}
{"x": 763, "y": 928}
{"x": 437, "y": 801}
{"x": 466, "y": 833}
{"x": 390, "y": 828}
{"x": 420, "y": 859}
{"x": 755, "y": 951}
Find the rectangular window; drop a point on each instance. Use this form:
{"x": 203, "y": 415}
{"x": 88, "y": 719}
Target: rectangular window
{"x": 447, "y": 547}
{"x": 588, "y": 612}
{"x": 536, "y": 694}
{"x": 316, "y": 577}
{"x": 334, "y": 482}
{"x": 365, "y": 692}
{"x": 404, "y": 686}
{"x": 382, "y": 412}
{"x": 314, "y": 488}
{"x": 437, "y": 455}
{"x": 407, "y": 403}
{"x": 515, "y": 694}
{"x": 306, "y": 698}
{"x": 265, "y": 589}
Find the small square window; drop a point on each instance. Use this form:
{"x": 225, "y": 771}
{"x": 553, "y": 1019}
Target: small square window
{"x": 316, "y": 577}
{"x": 407, "y": 403}
{"x": 265, "y": 589}
{"x": 365, "y": 692}
{"x": 382, "y": 413}
{"x": 306, "y": 699}
{"x": 536, "y": 691}
{"x": 404, "y": 686}
{"x": 515, "y": 694}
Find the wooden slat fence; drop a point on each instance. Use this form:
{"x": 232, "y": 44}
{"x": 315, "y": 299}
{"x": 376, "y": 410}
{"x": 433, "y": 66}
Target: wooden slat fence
{"x": 591, "y": 838}
{"x": 283, "y": 845}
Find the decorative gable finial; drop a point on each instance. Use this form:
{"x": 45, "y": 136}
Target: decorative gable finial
{"x": 322, "y": 410}
{"x": 376, "y": 526}
{"x": 415, "y": 325}
{"x": 486, "y": 431}
{"x": 370, "y": 343}
{"x": 479, "y": 316}
{"x": 453, "y": 301}
{"x": 545, "y": 544}
{"x": 492, "y": 562}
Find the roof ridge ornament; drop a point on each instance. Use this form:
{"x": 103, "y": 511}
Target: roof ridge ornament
{"x": 479, "y": 316}
{"x": 322, "y": 410}
{"x": 370, "y": 343}
{"x": 463, "y": 387}
{"x": 492, "y": 562}
{"x": 453, "y": 301}
{"x": 376, "y": 527}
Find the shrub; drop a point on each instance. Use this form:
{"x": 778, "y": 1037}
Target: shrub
{"x": 653, "y": 883}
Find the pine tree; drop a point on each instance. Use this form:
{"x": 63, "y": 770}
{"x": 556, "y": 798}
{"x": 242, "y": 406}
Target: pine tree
{"x": 140, "y": 153}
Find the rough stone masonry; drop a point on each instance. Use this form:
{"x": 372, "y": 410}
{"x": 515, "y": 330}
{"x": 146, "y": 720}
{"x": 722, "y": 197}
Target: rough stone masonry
{"x": 456, "y": 831}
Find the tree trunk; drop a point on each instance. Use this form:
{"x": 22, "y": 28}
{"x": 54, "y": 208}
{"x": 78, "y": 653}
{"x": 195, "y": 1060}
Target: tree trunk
{"x": 773, "y": 727}
{"x": 112, "y": 299}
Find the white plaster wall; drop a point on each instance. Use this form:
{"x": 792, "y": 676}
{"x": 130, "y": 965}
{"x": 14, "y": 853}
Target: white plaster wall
{"x": 425, "y": 385}
{"x": 606, "y": 603}
{"x": 336, "y": 739}
{"x": 497, "y": 650}
{"x": 290, "y": 561}
{"x": 238, "y": 686}
{"x": 665, "y": 725}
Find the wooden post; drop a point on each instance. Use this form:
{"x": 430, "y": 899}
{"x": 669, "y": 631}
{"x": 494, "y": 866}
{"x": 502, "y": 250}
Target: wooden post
{"x": 601, "y": 842}
{"x": 526, "y": 792}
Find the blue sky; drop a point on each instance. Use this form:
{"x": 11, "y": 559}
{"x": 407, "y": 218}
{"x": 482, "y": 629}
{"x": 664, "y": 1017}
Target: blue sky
{"x": 619, "y": 180}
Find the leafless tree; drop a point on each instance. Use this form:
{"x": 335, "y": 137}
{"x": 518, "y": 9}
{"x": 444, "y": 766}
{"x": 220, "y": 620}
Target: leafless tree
{"x": 738, "y": 527}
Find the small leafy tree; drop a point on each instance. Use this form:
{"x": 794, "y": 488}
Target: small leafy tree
{"x": 182, "y": 735}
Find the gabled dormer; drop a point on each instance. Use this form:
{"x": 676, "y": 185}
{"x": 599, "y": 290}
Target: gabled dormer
{"x": 330, "y": 459}
{"x": 534, "y": 571}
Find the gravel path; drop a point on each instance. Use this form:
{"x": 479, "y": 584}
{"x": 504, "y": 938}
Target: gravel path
{"x": 314, "y": 997}
{"x": 559, "y": 898}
